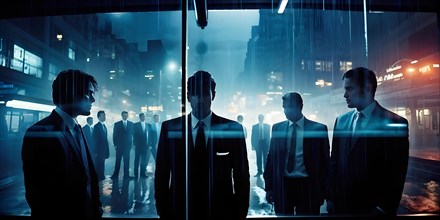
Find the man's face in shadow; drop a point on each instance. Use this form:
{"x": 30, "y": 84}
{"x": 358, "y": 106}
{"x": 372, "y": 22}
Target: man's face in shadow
{"x": 84, "y": 104}
{"x": 355, "y": 96}
{"x": 124, "y": 116}
{"x": 101, "y": 117}
{"x": 201, "y": 100}
{"x": 292, "y": 110}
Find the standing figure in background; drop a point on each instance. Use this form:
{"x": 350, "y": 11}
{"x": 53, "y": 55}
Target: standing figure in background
{"x": 59, "y": 176}
{"x": 240, "y": 119}
{"x": 88, "y": 133}
{"x": 297, "y": 163}
{"x": 260, "y": 140}
{"x": 102, "y": 149}
{"x": 217, "y": 184}
{"x": 370, "y": 149}
{"x": 123, "y": 141}
{"x": 142, "y": 138}
{"x": 155, "y": 127}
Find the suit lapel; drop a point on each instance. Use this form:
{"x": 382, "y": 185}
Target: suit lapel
{"x": 307, "y": 144}
{"x": 190, "y": 130}
{"x": 213, "y": 130}
{"x": 64, "y": 129}
{"x": 285, "y": 135}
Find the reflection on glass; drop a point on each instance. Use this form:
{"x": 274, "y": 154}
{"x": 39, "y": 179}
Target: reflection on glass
{"x": 255, "y": 57}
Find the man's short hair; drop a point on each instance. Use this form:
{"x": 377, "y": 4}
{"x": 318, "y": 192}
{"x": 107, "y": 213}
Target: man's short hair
{"x": 71, "y": 85}
{"x": 362, "y": 76}
{"x": 100, "y": 113}
{"x": 200, "y": 81}
{"x": 292, "y": 99}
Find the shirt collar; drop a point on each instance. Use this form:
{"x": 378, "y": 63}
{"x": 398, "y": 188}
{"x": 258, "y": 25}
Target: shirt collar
{"x": 206, "y": 121}
{"x": 69, "y": 120}
{"x": 299, "y": 123}
{"x": 369, "y": 109}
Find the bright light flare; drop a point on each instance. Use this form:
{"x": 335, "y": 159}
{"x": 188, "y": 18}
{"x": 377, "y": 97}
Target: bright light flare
{"x": 29, "y": 105}
{"x": 282, "y": 6}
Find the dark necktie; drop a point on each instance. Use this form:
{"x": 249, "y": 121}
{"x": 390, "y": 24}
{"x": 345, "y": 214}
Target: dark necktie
{"x": 358, "y": 119}
{"x": 200, "y": 138}
{"x": 292, "y": 153}
{"x": 357, "y": 129}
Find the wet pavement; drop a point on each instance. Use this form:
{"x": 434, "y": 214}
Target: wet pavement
{"x": 134, "y": 198}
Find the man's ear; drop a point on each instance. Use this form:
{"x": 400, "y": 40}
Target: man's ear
{"x": 213, "y": 96}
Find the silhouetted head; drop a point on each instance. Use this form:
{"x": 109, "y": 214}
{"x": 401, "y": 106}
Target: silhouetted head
{"x": 73, "y": 91}
{"x": 240, "y": 118}
{"x": 261, "y": 118}
{"x": 360, "y": 86}
{"x": 124, "y": 115}
{"x": 142, "y": 117}
{"x": 101, "y": 116}
{"x": 90, "y": 120}
{"x": 201, "y": 93}
{"x": 156, "y": 118}
{"x": 292, "y": 105}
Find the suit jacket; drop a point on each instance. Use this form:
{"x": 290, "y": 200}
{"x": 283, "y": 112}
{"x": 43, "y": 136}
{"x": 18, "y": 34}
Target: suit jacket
{"x": 100, "y": 138}
{"x": 156, "y": 134}
{"x": 123, "y": 138}
{"x": 140, "y": 137}
{"x": 255, "y": 136}
{"x": 316, "y": 153}
{"x": 229, "y": 170}
{"x": 371, "y": 172}
{"x": 52, "y": 167}
{"x": 89, "y": 138}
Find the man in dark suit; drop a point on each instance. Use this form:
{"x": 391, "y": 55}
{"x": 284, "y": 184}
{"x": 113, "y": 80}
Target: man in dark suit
{"x": 260, "y": 140}
{"x": 88, "y": 133}
{"x": 297, "y": 163}
{"x": 369, "y": 156}
{"x": 218, "y": 171}
{"x": 142, "y": 138}
{"x": 102, "y": 149}
{"x": 155, "y": 127}
{"x": 240, "y": 120}
{"x": 123, "y": 141}
{"x": 55, "y": 155}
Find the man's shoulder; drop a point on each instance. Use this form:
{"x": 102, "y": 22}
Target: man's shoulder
{"x": 174, "y": 122}
{"x": 47, "y": 123}
{"x": 345, "y": 115}
{"x": 390, "y": 116}
{"x": 217, "y": 120}
{"x": 278, "y": 124}
{"x": 314, "y": 125}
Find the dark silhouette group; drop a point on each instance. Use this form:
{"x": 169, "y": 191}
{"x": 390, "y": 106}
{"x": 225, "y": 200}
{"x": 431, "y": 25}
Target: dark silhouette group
{"x": 201, "y": 159}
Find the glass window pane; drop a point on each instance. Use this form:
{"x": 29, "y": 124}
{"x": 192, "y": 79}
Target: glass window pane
{"x": 142, "y": 56}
